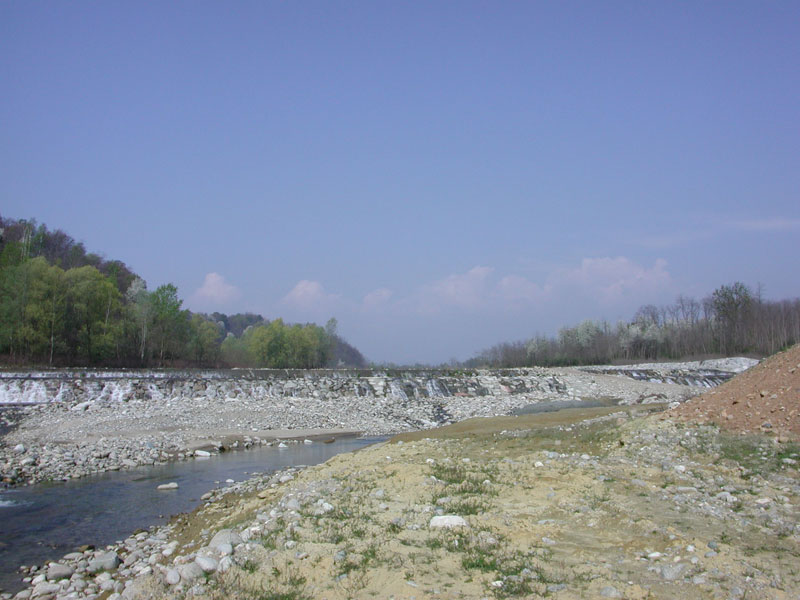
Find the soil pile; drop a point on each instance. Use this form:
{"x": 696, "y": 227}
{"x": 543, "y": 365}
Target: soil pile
{"x": 765, "y": 398}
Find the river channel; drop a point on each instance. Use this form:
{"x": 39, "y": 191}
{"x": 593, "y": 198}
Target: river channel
{"x": 43, "y": 522}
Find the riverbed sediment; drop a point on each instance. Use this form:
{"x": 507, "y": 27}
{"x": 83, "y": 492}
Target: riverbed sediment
{"x": 596, "y": 502}
{"x": 620, "y": 505}
{"x": 86, "y": 422}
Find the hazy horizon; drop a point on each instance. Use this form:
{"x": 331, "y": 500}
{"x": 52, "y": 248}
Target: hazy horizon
{"x": 439, "y": 177}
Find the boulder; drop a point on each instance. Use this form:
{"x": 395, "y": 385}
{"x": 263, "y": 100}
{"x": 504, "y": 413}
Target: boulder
{"x": 225, "y": 536}
{"x": 107, "y": 561}
{"x": 58, "y": 571}
{"x": 447, "y": 522}
{"x": 190, "y": 572}
{"x": 208, "y": 564}
{"x": 173, "y": 577}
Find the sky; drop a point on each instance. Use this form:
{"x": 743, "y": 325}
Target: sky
{"x": 438, "y": 176}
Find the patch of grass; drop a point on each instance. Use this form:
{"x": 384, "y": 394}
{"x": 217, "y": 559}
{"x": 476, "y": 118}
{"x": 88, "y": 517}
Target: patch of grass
{"x": 449, "y": 472}
{"x": 394, "y": 528}
{"x": 434, "y": 543}
{"x": 514, "y": 587}
{"x": 249, "y": 566}
{"x": 468, "y": 506}
{"x": 287, "y": 586}
{"x": 757, "y": 454}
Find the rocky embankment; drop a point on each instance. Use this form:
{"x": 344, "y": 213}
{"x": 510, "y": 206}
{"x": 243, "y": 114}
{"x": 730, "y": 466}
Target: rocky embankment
{"x": 617, "y": 506}
{"x": 84, "y": 422}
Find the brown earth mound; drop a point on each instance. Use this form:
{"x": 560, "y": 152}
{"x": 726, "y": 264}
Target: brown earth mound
{"x": 765, "y": 398}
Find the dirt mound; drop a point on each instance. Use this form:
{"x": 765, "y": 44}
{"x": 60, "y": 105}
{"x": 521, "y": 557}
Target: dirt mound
{"x": 765, "y": 398}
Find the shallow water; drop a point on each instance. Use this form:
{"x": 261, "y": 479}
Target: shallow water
{"x": 46, "y": 521}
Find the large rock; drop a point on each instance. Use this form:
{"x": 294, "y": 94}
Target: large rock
{"x": 173, "y": 577}
{"x": 45, "y": 589}
{"x": 225, "y": 536}
{"x": 208, "y": 564}
{"x": 58, "y": 571}
{"x": 447, "y": 522}
{"x": 108, "y": 561}
{"x": 190, "y": 572}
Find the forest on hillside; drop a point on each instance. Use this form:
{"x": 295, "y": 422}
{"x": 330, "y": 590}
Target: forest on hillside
{"x": 733, "y": 320}
{"x": 63, "y": 306}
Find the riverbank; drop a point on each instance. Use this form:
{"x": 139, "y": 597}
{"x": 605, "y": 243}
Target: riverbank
{"x": 89, "y": 423}
{"x": 618, "y": 505}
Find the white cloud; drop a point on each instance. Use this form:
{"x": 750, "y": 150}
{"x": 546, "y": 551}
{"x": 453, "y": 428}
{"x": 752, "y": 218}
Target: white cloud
{"x": 603, "y": 280}
{"x": 518, "y": 290}
{"x": 377, "y": 298}
{"x": 614, "y": 279}
{"x": 216, "y": 290}
{"x": 309, "y": 295}
{"x": 468, "y": 291}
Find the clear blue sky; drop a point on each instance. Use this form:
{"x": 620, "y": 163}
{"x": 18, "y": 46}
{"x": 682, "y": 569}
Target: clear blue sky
{"x": 439, "y": 176}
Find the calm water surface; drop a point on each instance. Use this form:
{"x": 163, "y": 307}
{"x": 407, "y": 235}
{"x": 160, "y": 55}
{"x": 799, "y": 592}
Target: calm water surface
{"x": 46, "y": 521}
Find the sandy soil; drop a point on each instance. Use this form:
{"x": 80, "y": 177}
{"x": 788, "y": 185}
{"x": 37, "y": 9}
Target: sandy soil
{"x": 765, "y": 398}
{"x": 615, "y": 507}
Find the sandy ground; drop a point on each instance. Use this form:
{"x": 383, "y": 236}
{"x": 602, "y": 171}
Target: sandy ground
{"x": 766, "y": 398}
{"x": 619, "y": 506}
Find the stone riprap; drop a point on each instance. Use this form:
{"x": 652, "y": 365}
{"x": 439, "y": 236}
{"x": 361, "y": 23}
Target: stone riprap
{"x": 80, "y": 422}
{"x": 706, "y": 373}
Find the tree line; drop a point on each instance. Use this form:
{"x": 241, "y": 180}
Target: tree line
{"x": 734, "y": 319}
{"x": 62, "y": 306}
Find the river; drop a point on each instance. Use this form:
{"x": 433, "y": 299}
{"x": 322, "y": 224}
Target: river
{"x": 43, "y": 522}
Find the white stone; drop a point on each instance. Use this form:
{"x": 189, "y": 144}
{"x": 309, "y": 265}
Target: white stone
{"x": 225, "y": 564}
{"x": 58, "y": 571}
{"x": 208, "y": 564}
{"x": 225, "y": 549}
{"x": 190, "y": 571}
{"x": 225, "y": 536}
{"x": 107, "y": 561}
{"x": 173, "y": 577}
{"x": 168, "y": 486}
{"x": 448, "y": 521}
{"x": 202, "y": 453}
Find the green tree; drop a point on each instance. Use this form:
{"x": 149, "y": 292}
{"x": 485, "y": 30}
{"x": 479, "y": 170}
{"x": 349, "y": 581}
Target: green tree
{"x": 140, "y": 307}
{"x": 93, "y": 304}
{"x": 170, "y": 323}
{"x": 234, "y": 351}
{"x": 732, "y": 307}
{"x": 268, "y": 345}
{"x": 204, "y": 339}
{"x": 45, "y": 308}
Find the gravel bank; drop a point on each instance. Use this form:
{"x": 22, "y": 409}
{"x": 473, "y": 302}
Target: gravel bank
{"x": 88, "y": 423}
{"x": 618, "y": 507}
